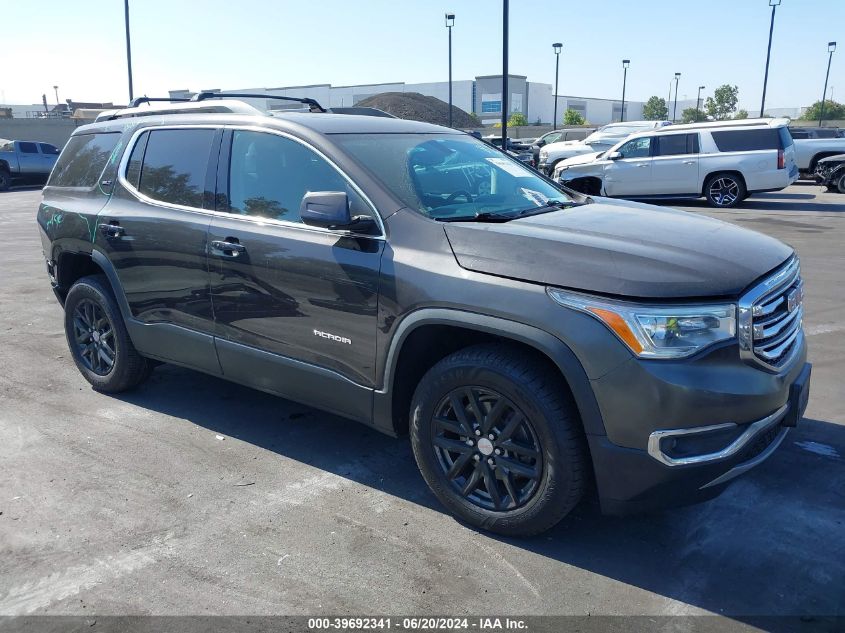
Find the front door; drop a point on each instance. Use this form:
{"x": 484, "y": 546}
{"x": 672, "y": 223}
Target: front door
{"x": 294, "y": 306}
{"x": 674, "y": 168}
{"x": 154, "y": 230}
{"x": 630, "y": 175}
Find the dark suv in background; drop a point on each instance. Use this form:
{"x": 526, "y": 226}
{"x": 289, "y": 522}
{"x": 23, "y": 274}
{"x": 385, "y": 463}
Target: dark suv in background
{"x": 531, "y": 340}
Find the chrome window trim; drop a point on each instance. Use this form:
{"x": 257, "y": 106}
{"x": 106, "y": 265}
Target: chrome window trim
{"x": 745, "y": 312}
{"x": 750, "y": 432}
{"x": 130, "y": 147}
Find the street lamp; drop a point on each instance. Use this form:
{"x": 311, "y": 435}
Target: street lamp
{"x": 557, "y": 46}
{"x": 774, "y": 4}
{"x": 625, "y": 64}
{"x": 56, "y": 88}
{"x": 698, "y": 101}
{"x": 128, "y": 48}
{"x": 831, "y": 46}
{"x": 675, "y": 110}
{"x": 450, "y": 22}
{"x": 505, "y": 12}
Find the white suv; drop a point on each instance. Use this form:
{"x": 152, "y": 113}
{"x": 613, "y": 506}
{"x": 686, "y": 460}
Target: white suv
{"x": 724, "y": 161}
{"x": 602, "y": 139}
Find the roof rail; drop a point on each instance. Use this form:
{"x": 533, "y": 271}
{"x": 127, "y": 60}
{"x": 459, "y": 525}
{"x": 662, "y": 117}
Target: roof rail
{"x": 136, "y": 102}
{"x": 313, "y": 106}
{"x": 232, "y": 107}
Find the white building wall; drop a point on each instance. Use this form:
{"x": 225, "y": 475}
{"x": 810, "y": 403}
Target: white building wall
{"x": 540, "y": 103}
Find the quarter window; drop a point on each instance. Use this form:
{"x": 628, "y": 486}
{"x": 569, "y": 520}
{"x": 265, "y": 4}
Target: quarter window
{"x": 748, "y": 140}
{"x": 636, "y": 148}
{"x": 83, "y": 160}
{"x": 174, "y": 166}
{"x": 270, "y": 174}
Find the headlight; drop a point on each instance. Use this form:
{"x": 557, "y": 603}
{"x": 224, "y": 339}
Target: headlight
{"x": 657, "y": 331}
{"x": 543, "y": 154}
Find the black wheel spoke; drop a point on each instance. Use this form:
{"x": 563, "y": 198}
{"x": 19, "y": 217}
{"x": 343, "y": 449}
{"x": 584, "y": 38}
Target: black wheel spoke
{"x": 94, "y": 337}
{"x": 507, "y": 479}
{"x": 512, "y": 425}
{"x": 493, "y": 417}
{"x": 517, "y": 468}
{"x": 519, "y": 449}
{"x": 492, "y": 486}
{"x": 458, "y": 465}
{"x": 472, "y": 482}
{"x": 475, "y": 406}
{"x": 461, "y": 414}
{"x": 453, "y": 446}
{"x": 449, "y": 425}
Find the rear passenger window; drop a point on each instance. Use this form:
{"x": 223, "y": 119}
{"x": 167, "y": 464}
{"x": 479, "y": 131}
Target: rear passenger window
{"x": 46, "y": 148}
{"x": 675, "y": 144}
{"x": 270, "y": 174}
{"x": 28, "y": 148}
{"x": 133, "y": 169}
{"x": 747, "y": 140}
{"x": 83, "y": 160}
{"x": 174, "y": 166}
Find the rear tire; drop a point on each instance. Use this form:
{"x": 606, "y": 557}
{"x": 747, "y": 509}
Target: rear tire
{"x": 840, "y": 183}
{"x": 98, "y": 340}
{"x": 5, "y": 180}
{"x": 498, "y": 440}
{"x": 724, "y": 190}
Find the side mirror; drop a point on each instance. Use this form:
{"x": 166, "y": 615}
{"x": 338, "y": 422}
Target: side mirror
{"x": 330, "y": 210}
{"x": 614, "y": 155}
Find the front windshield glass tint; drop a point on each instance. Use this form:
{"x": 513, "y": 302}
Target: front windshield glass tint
{"x": 450, "y": 176}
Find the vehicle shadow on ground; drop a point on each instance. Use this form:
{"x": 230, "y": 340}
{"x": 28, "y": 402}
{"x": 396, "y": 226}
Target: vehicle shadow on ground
{"x": 773, "y": 543}
{"x": 767, "y": 202}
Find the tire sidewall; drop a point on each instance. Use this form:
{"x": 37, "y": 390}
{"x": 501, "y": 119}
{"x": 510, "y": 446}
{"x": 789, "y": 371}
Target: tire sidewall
{"x": 840, "y": 183}
{"x": 90, "y": 289}
{"x": 430, "y": 392}
{"x": 5, "y": 180}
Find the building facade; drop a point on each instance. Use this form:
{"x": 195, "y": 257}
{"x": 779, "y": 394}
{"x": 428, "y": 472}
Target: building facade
{"x": 481, "y": 96}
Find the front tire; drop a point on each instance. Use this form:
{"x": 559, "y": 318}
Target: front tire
{"x": 724, "y": 190}
{"x": 98, "y": 340}
{"x": 5, "y": 180}
{"x": 498, "y": 440}
{"x": 840, "y": 183}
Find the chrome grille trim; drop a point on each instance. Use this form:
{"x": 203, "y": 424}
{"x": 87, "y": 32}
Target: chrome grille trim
{"x": 769, "y": 332}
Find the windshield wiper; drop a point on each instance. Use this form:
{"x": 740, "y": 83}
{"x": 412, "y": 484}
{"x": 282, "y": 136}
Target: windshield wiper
{"x": 484, "y": 216}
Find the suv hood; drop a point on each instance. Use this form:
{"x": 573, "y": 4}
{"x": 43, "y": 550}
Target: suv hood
{"x": 620, "y": 248}
{"x": 581, "y": 159}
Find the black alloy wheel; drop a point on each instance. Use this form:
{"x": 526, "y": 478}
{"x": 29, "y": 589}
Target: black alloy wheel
{"x": 487, "y": 448}
{"x": 93, "y": 334}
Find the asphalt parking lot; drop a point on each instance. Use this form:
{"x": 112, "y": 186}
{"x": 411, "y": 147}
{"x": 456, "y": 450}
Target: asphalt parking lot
{"x": 191, "y": 495}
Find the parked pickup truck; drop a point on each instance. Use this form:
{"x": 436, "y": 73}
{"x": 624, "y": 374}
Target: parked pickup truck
{"x": 813, "y": 144}
{"x": 25, "y": 162}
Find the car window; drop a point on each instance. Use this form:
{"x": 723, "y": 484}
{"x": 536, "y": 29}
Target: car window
{"x": 554, "y": 137}
{"x": 133, "y": 167}
{"x": 798, "y": 133}
{"x": 174, "y": 166}
{"x": 270, "y": 174}
{"x": 675, "y": 144}
{"x": 83, "y": 160}
{"x": 636, "y": 148}
{"x": 748, "y": 140}
{"x": 28, "y": 148}
{"x": 46, "y": 148}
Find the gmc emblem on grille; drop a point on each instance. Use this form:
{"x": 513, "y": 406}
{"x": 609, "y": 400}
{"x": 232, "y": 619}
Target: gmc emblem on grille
{"x": 793, "y": 300}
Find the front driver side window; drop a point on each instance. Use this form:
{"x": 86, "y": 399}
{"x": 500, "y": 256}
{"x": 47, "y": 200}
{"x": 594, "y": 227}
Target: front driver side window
{"x": 270, "y": 174}
{"x": 636, "y": 148}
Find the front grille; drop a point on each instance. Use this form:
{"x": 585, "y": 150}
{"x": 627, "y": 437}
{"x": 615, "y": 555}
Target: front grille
{"x": 771, "y": 317}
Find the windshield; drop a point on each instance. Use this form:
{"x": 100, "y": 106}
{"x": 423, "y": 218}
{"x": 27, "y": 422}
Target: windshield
{"x": 450, "y": 176}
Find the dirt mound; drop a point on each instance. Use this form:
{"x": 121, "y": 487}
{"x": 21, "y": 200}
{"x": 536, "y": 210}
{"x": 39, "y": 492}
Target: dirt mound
{"x": 418, "y": 107}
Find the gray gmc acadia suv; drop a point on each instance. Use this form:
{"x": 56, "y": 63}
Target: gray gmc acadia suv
{"x": 534, "y": 342}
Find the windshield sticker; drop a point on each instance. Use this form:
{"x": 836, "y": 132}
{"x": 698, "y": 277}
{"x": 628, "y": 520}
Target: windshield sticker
{"x": 506, "y": 165}
{"x": 534, "y": 196}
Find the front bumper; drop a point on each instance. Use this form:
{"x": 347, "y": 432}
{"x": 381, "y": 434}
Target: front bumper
{"x": 701, "y": 435}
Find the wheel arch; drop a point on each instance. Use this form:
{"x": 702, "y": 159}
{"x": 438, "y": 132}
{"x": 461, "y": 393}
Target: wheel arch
{"x": 817, "y": 157}
{"x": 732, "y": 172}
{"x": 73, "y": 266}
{"x": 428, "y": 335}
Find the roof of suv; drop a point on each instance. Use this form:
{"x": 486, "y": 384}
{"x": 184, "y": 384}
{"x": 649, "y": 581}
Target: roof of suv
{"x": 726, "y": 125}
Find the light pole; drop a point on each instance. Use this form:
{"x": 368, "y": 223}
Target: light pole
{"x": 774, "y": 4}
{"x": 675, "y": 110}
{"x": 505, "y": 75}
{"x": 831, "y": 46}
{"x": 128, "y": 49}
{"x": 625, "y": 64}
{"x": 698, "y": 101}
{"x": 669, "y": 98}
{"x": 557, "y": 46}
{"x": 450, "y": 22}
{"x": 56, "y": 88}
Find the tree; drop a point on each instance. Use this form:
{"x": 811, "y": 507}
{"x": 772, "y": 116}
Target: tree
{"x": 833, "y": 111}
{"x": 692, "y": 115}
{"x": 573, "y": 117}
{"x": 517, "y": 120}
{"x": 742, "y": 114}
{"x": 723, "y": 102}
{"x": 655, "y": 109}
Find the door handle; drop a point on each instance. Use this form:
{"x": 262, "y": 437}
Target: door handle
{"x": 643, "y": 165}
{"x": 112, "y": 229}
{"x": 689, "y": 162}
{"x": 230, "y": 247}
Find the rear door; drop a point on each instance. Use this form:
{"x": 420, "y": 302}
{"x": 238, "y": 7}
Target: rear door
{"x": 154, "y": 231}
{"x": 295, "y": 306}
{"x": 675, "y": 166}
{"x": 630, "y": 175}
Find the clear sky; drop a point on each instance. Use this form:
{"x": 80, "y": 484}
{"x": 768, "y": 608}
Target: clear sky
{"x": 197, "y": 44}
